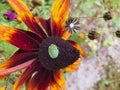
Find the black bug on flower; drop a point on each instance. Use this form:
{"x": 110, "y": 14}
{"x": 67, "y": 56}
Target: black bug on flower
{"x": 93, "y": 35}
{"x": 72, "y": 25}
{"x": 108, "y": 16}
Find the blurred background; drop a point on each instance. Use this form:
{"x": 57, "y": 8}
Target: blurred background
{"x": 98, "y": 34}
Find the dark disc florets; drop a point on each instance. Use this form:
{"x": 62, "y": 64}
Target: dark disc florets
{"x": 67, "y": 54}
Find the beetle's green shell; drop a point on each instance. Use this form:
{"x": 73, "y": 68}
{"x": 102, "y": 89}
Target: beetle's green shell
{"x": 53, "y": 51}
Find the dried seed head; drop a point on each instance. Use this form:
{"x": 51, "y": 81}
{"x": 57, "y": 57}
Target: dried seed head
{"x": 72, "y": 25}
{"x": 93, "y": 35}
{"x": 108, "y": 16}
{"x": 117, "y": 33}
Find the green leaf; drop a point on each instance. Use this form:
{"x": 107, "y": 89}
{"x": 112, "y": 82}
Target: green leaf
{"x": 8, "y": 49}
{"x": 116, "y": 22}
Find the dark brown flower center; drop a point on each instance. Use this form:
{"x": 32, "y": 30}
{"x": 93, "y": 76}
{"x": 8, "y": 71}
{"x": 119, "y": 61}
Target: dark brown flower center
{"x": 67, "y": 54}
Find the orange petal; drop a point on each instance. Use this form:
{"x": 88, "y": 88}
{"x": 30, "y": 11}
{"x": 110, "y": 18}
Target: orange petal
{"x": 26, "y": 16}
{"x": 3, "y": 77}
{"x": 28, "y": 85}
{"x": 60, "y": 10}
{"x": 59, "y": 83}
{"x": 66, "y": 35}
{"x": 77, "y": 46}
{"x": 4, "y": 66}
{"x": 72, "y": 67}
{"x": 54, "y": 86}
{"x": 3, "y": 88}
{"x": 18, "y": 38}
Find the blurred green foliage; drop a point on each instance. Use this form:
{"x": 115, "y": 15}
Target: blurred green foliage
{"x": 111, "y": 81}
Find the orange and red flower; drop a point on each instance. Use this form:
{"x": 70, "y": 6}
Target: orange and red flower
{"x": 41, "y": 70}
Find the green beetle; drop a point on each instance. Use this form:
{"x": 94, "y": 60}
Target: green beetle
{"x": 53, "y": 51}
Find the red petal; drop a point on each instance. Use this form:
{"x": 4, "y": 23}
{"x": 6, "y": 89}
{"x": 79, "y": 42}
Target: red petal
{"x": 18, "y": 38}
{"x": 16, "y": 68}
{"x": 34, "y": 36}
{"x": 26, "y": 16}
{"x": 45, "y": 82}
{"x": 18, "y": 58}
{"x": 40, "y": 81}
{"x": 45, "y": 24}
{"x": 25, "y": 76}
{"x": 59, "y": 15}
